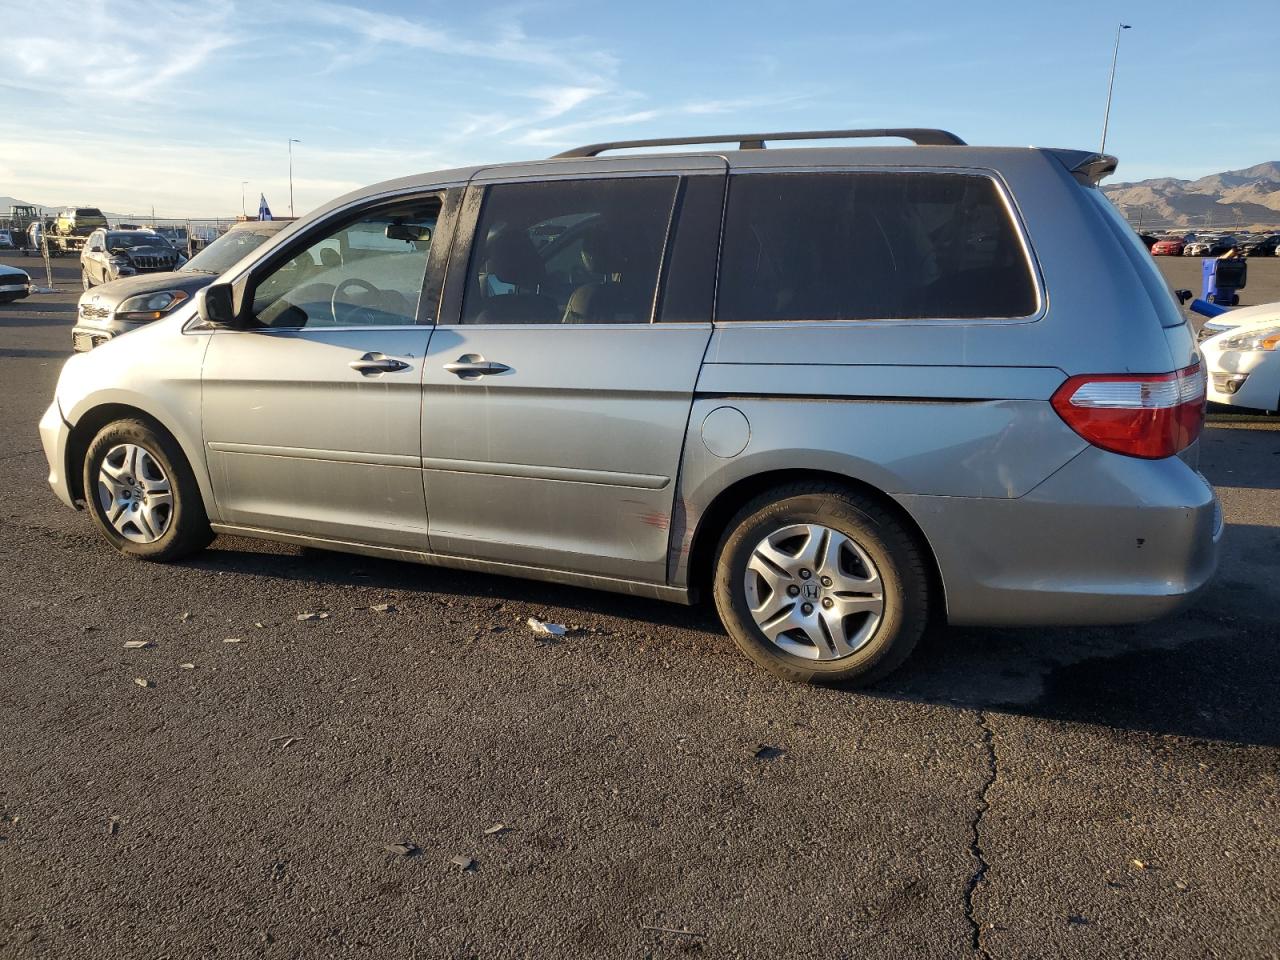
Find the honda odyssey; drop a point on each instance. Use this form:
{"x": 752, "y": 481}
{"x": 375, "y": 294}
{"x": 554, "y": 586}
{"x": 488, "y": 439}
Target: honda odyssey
{"x": 845, "y": 391}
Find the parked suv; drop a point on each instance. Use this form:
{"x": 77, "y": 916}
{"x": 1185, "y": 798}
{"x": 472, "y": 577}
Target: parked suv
{"x": 125, "y": 304}
{"x": 1266, "y": 246}
{"x": 78, "y": 221}
{"x": 845, "y": 391}
{"x": 111, "y": 254}
{"x": 176, "y": 235}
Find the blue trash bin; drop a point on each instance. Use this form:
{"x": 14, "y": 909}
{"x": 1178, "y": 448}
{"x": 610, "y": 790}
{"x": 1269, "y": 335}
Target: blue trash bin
{"x": 1223, "y": 279}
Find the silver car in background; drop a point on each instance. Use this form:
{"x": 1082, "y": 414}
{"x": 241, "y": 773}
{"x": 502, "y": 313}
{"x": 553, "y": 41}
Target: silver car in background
{"x": 115, "y": 308}
{"x": 845, "y": 391}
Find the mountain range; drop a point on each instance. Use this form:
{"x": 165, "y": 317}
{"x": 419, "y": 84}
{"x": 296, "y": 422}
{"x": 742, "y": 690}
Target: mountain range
{"x": 1237, "y": 199}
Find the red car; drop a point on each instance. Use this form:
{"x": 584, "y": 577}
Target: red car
{"x": 1168, "y": 248}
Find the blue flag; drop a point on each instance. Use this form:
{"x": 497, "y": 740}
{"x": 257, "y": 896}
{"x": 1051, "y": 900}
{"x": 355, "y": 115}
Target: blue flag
{"x": 264, "y": 212}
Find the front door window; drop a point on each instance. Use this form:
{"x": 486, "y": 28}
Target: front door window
{"x": 368, "y": 273}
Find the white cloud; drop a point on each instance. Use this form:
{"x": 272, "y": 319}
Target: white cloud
{"x": 505, "y": 40}
{"x": 112, "y": 51}
{"x": 189, "y": 179}
{"x": 131, "y": 104}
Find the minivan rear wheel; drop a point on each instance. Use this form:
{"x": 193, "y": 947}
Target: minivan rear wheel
{"x": 141, "y": 492}
{"x": 819, "y": 584}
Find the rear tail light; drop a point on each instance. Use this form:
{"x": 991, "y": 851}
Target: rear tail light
{"x": 1144, "y": 415}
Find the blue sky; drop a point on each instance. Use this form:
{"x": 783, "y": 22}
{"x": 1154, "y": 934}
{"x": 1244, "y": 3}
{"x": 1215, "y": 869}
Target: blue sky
{"x": 133, "y": 104}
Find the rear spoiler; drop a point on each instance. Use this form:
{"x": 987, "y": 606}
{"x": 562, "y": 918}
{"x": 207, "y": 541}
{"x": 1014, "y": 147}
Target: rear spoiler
{"x": 1088, "y": 168}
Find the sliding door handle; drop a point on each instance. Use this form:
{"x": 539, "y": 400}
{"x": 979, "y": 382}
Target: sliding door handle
{"x": 470, "y": 366}
{"x": 372, "y": 363}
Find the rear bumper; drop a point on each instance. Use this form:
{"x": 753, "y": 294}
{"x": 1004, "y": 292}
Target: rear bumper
{"x": 1106, "y": 540}
{"x": 54, "y": 432}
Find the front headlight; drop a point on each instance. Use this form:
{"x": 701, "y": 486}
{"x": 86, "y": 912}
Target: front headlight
{"x": 118, "y": 261}
{"x": 1263, "y": 338}
{"x": 150, "y": 306}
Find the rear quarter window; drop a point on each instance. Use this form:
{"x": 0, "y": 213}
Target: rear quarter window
{"x": 1139, "y": 258}
{"x": 871, "y": 246}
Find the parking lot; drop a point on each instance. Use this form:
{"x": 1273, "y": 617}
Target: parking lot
{"x": 633, "y": 789}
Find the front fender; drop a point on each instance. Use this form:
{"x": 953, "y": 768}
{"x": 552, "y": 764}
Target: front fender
{"x": 155, "y": 371}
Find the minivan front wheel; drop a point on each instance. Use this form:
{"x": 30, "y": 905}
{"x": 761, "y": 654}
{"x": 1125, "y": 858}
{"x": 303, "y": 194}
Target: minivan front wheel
{"x": 816, "y": 583}
{"x": 142, "y": 493}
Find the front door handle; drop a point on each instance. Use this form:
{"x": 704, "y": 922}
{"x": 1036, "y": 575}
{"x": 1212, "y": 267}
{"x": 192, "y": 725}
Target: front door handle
{"x": 372, "y": 363}
{"x": 469, "y": 366}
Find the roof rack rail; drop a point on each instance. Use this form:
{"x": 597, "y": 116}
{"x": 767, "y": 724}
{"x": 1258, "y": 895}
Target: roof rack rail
{"x": 921, "y": 136}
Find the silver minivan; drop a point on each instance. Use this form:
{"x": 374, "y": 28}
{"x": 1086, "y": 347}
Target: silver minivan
{"x": 846, "y": 391}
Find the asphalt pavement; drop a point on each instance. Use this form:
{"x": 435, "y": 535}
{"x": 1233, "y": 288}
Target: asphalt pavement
{"x": 633, "y": 789}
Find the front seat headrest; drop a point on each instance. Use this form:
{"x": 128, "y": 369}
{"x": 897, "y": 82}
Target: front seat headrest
{"x": 512, "y": 258}
{"x": 602, "y": 252}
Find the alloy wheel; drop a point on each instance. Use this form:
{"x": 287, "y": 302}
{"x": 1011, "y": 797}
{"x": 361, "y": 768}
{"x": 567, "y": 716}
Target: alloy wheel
{"x": 135, "y": 494}
{"x": 814, "y": 592}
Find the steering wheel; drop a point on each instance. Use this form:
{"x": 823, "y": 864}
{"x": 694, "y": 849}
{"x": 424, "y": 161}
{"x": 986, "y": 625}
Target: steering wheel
{"x": 352, "y": 311}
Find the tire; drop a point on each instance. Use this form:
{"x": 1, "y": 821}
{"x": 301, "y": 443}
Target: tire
{"x": 883, "y": 640}
{"x": 183, "y": 527}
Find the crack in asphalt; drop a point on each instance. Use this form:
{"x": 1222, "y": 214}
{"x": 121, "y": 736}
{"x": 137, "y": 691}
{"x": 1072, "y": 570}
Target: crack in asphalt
{"x": 21, "y": 453}
{"x": 975, "y": 844}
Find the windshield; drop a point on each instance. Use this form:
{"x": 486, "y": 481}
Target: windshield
{"x": 227, "y": 250}
{"x": 118, "y": 241}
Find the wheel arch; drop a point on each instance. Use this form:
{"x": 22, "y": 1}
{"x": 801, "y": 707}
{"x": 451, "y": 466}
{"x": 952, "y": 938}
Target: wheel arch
{"x": 86, "y": 428}
{"x": 713, "y": 521}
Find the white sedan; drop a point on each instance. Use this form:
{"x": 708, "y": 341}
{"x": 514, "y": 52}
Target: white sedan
{"x": 1242, "y": 354}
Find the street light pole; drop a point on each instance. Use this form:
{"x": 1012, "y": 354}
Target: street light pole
{"x": 1111, "y": 85}
{"x": 291, "y": 143}
{"x": 243, "y": 184}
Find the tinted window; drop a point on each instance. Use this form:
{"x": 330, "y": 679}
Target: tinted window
{"x": 571, "y": 251}
{"x": 865, "y": 246}
{"x": 367, "y": 273}
{"x": 689, "y": 289}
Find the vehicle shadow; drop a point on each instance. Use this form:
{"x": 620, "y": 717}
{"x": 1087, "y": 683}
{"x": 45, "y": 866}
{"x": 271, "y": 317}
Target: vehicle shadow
{"x": 1210, "y": 672}
{"x": 315, "y": 566}
{"x": 1241, "y": 452}
{"x": 34, "y": 353}
{"x": 26, "y": 314}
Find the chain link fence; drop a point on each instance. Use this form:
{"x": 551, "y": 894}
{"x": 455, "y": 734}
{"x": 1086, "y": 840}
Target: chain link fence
{"x": 31, "y": 235}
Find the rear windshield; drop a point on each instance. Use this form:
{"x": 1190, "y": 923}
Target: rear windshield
{"x": 88, "y": 212}
{"x": 116, "y": 241}
{"x": 871, "y": 246}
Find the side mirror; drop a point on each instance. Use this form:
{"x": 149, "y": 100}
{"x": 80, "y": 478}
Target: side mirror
{"x": 216, "y": 305}
{"x": 95, "y": 249}
{"x": 1183, "y": 295}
